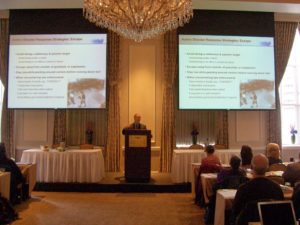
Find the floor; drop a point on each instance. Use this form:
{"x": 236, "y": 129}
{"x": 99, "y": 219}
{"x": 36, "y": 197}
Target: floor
{"x": 72, "y": 208}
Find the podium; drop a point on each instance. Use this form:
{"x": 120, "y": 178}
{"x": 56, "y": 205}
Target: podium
{"x": 137, "y": 155}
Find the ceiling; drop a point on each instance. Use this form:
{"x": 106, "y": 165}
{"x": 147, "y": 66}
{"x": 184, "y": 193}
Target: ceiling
{"x": 283, "y": 6}
{"x": 279, "y": 6}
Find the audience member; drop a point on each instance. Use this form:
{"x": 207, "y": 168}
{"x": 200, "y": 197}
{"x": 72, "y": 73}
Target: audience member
{"x": 234, "y": 170}
{"x": 296, "y": 200}
{"x": 273, "y": 153}
{"x": 292, "y": 173}
{"x": 16, "y": 177}
{"x": 246, "y": 155}
{"x": 256, "y": 189}
{"x": 227, "y": 179}
{"x": 211, "y": 158}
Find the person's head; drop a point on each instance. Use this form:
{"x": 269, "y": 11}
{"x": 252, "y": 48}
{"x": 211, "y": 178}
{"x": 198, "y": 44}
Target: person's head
{"x": 235, "y": 162}
{"x": 137, "y": 118}
{"x": 2, "y": 151}
{"x": 260, "y": 164}
{"x": 209, "y": 149}
{"x": 273, "y": 150}
{"x": 246, "y": 155}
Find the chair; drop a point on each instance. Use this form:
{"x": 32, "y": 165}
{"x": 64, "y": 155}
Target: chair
{"x": 233, "y": 182}
{"x": 204, "y": 168}
{"x": 219, "y": 146}
{"x": 276, "y": 179}
{"x": 196, "y": 146}
{"x": 277, "y": 167}
{"x": 86, "y": 146}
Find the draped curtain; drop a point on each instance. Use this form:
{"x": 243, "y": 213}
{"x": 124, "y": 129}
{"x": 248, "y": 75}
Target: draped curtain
{"x": 77, "y": 122}
{"x": 7, "y": 118}
{"x": 168, "y": 108}
{"x": 60, "y": 127}
{"x": 211, "y": 125}
{"x": 112, "y": 159}
{"x": 284, "y": 38}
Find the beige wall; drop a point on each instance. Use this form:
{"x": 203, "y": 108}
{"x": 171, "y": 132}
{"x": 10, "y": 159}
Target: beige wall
{"x": 141, "y": 69}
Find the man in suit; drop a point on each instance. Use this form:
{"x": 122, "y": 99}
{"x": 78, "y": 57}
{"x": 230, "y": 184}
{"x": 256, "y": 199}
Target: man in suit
{"x": 260, "y": 187}
{"x": 136, "y": 125}
{"x": 292, "y": 173}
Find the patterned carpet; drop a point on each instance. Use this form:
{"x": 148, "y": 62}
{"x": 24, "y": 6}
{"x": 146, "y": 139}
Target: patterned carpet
{"x": 58, "y": 208}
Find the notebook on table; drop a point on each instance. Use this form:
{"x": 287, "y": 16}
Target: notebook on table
{"x": 277, "y": 213}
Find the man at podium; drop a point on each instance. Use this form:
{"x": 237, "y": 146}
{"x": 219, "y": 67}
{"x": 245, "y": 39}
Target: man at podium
{"x": 136, "y": 125}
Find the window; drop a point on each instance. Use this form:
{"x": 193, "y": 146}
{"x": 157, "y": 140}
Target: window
{"x": 289, "y": 92}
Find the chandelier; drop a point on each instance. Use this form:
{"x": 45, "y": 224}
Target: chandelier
{"x": 138, "y": 19}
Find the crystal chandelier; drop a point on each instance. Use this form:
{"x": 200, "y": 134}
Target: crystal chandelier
{"x": 138, "y": 19}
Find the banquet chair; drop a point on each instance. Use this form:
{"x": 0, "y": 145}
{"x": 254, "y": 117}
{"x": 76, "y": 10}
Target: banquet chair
{"x": 204, "y": 168}
{"x": 220, "y": 146}
{"x": 276, "y": 179}
{"x": 196, "y": 146}
{"x": 277, "y": 167}
{"x": 86, "y": 146}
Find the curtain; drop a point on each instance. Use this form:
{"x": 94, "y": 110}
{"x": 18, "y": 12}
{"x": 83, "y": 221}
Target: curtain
{"x": 60, "y": 127}
{"x": 77, "y": 122}
{"x": 284, "y": 38}
{"x": 211, "y": 125}
{"x": 112, "y": 158}
{"x": 168, "y": 108}
{"x": 7, "y": 118}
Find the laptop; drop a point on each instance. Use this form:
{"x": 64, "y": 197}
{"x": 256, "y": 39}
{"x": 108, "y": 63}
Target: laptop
{"x": 277, "y": 213}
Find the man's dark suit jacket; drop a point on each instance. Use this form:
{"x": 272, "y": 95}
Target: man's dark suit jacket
{"x": 256, "y": 189}
{"x": 133, "y": 126}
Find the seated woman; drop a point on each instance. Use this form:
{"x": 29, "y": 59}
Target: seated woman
{"x": 211, "y": 158}
{"x": 233, "y": 171}
{"x": 16, "y": 177}
{"x": 246, "y": 155}
{"x": 230, "y": 178}
{"x": 273, "y": 153}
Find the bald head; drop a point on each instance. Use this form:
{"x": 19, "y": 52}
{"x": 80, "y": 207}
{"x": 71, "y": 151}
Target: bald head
{"x": 137, "y": 118}
{"x": 260, "y": 164}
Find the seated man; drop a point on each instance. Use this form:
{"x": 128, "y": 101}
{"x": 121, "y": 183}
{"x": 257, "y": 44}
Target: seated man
{"x": 16, "y": 177}
{"x": 296, "y": 201}
{"x": 292, "y": 173}
{"x": 256, "y": 189}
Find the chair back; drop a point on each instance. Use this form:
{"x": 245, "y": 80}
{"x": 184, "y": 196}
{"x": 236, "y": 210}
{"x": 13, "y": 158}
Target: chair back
{"x": 233, "y": 182}
{"x": 276, "y": 179}
{"x": 196, "y": 146}
{"x": 86, "y": 146}
{"x": 219, "y": 146}
{"x": 277, "y": 167}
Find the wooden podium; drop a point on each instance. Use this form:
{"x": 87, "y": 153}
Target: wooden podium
{"x": 137, "y": 155}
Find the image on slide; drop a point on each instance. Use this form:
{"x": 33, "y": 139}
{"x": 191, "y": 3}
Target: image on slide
{"x": 258, "y": 94}
{"x": 86, "y": 93}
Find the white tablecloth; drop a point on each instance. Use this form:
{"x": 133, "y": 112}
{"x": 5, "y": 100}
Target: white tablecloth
{"x": 181, "y": 170}
{"x": 224, "y": 201}
{"x": 83, "y": 166}
{"x": 29, "y": 172}
{"x": 5, "y": 184}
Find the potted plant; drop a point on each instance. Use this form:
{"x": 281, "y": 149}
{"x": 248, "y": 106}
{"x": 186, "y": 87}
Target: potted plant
{"x": 293, "y": 132}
